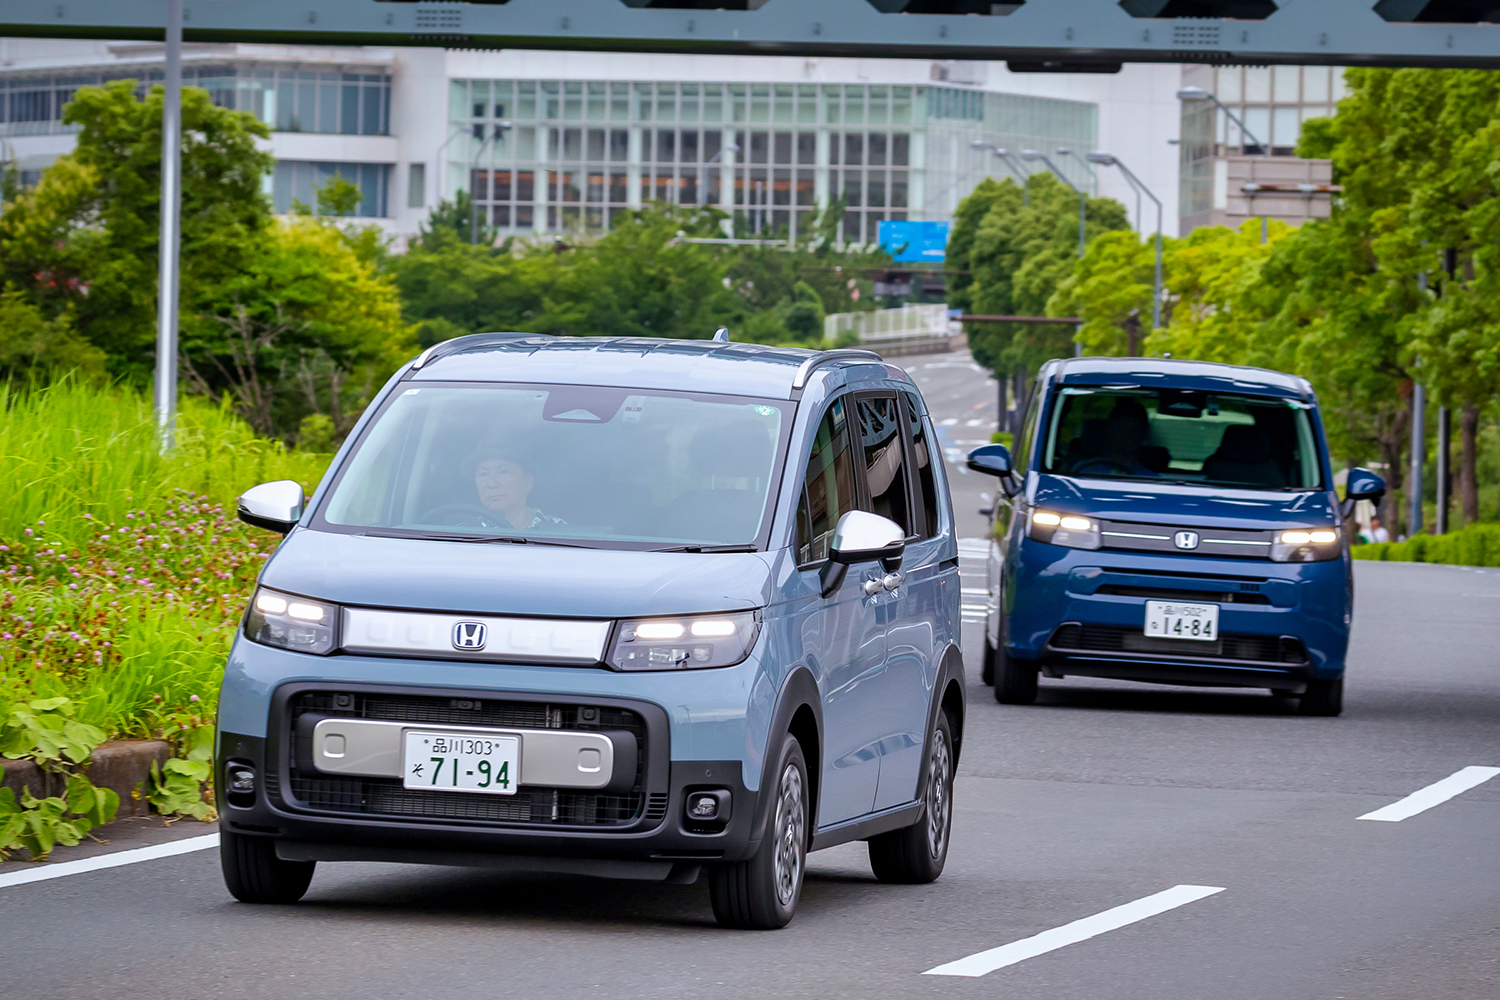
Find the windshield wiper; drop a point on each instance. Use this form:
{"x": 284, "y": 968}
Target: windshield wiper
{"x": 707, "y": 548}
{"x": 477, "y": 539}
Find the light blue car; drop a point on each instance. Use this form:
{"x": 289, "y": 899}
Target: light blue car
{"x": 629, "y": 608}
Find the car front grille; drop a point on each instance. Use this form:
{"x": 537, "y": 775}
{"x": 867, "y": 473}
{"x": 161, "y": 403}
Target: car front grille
{"x": 1169, "y": 594}
{"x": 1075, "y": 638}
{"x": 1221, "y": 543}
{"x": 530, "y": 806}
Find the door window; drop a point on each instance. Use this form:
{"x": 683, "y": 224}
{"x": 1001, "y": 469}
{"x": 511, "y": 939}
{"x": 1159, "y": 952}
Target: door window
{"x": 884, "y": 457}
{"x": 828, "y": 491}
{"x": 924, "y": 461}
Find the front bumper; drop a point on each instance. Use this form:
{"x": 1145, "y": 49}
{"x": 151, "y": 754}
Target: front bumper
{"x": 1079, "y": 612}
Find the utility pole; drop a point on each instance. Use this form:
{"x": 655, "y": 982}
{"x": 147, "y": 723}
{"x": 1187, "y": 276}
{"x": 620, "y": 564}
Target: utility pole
{"x": 171, "y": 218}
{"x": 1444, "y": 441}
{"x": 1418, "y": 444}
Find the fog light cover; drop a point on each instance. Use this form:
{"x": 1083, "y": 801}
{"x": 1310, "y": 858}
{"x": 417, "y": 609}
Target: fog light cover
{"x": 291, "y": 622}
{"x": 684, "y": 643}
{"x": 707, "y": 808}
{"x": 239, "y": 783}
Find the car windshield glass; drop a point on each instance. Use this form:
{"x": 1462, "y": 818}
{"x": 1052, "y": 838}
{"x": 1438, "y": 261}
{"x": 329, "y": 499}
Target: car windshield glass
{"x": 1218, "y": 439}
{"x": 583, "y": 464}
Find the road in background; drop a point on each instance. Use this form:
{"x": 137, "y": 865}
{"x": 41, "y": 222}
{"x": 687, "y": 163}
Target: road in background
{"x": 1107, "y": 809}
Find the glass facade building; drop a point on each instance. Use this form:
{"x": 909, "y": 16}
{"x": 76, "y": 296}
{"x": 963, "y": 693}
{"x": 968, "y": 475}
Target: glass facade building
{"x": 579, "y": 153}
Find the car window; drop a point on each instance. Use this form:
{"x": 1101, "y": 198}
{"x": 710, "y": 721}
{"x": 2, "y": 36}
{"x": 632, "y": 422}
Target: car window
{"x": 608, "y": 467}
{"x": 828, "y": 488}
{"x": 1021, "y": 453}
{"x": 924, "y": 461}
{"x": 884, "y": 456}
{"x": 1185, "y": 435}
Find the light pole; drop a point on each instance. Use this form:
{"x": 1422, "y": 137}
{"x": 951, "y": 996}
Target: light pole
{"x": 1031, "y": 154}
{"x": 1109, "y": 160}
{"x": 1010, "y": 164}
{"x": 1200, "y": 94}
{"x": 500, "y": 129}
{"x": 171, "y": 219}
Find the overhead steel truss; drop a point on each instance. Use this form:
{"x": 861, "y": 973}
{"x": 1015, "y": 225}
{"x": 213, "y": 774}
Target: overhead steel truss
{"x": 1039, "y": 35}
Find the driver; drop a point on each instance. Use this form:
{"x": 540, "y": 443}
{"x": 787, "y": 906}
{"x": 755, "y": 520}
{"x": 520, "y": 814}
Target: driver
{"x": 1124, "y": 434}
{"x": 503, "y": 482}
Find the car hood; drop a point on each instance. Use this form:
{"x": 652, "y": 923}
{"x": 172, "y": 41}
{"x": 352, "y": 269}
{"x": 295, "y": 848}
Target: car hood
{"x": 1172, "y": 504}
{"x": 501, "y": 578}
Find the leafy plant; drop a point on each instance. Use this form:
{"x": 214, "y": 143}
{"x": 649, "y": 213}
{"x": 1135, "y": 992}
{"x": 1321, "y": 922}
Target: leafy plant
{"x": 177, "y": 789}
{"x": 45, "y": 732}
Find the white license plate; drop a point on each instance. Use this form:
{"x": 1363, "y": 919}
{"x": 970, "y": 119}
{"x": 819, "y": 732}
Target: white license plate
{"x": 1170, "y": 620}
{"x": 462, "y": 762}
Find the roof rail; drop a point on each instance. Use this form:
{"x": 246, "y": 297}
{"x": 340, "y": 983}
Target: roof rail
{"x": 438, "y": 350}
{"x": 827, "y": 357}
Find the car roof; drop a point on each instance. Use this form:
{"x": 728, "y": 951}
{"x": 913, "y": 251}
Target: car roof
{"x": 627, "y": 362}
{"x": 1174, "y": 374}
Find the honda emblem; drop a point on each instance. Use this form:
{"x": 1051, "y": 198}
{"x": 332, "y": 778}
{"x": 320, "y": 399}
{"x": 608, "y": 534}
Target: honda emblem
{"x": 469, "y": 635}
{"x": 1185, "y": 539}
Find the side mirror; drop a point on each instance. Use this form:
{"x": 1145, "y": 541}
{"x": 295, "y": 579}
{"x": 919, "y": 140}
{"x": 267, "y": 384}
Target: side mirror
{"x": 274, "y": 506}
{"x": 862, "y": 537}
{"x": 990, "y": 459}
{"x": 1364, "y": 485}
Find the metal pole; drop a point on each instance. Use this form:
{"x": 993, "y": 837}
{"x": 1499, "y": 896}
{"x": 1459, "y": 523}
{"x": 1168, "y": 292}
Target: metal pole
{"x": 1418, "y": 459}
{"x": 1156, "y": 296}
{"x": 474, "y": 169}
{"x": 171, "y": 215}
{"x": 1445, "y": 438}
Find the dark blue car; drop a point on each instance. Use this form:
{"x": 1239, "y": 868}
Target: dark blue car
{"x": 1173, "y": 522}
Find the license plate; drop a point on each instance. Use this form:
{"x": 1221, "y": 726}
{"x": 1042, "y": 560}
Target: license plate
{"x": 1170, "y": 620}
{"x": 462, "y": 762}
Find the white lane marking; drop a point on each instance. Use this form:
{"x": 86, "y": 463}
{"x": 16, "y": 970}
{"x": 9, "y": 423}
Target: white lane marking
{"x": 1434, "y": 794}
{"x": 948, "y": 422}
{"x": 986, "y": 962}
{"x": 43, "y": 872}
{"x": 973, "y": 423}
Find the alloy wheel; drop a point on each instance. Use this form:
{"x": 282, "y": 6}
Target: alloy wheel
{"x": 790, "y": 826}
{"x": 939, "y": 801}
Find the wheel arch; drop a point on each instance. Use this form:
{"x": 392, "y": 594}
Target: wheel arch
{"x": 799, "y": 712}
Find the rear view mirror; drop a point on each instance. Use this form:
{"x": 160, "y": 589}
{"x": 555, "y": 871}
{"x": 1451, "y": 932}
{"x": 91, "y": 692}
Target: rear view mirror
{"x": 990, "y": 459}
{"x": 862, "y": 537}
{"x": 274, "y": 506}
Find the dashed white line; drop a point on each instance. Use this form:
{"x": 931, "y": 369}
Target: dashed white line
{"x": 948, "y": 422}
{"x": 1434, "y": 794}
{"x": 43, "y": 872}
{"x": 986, "y": 962}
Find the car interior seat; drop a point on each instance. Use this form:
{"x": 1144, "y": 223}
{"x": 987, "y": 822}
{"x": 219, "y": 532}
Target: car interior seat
{"x": 1244, "y": 456}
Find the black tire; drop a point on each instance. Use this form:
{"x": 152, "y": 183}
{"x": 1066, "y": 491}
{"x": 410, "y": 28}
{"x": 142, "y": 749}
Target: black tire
{"x": 1325, "y": 698}
{"x": 762, "y": 893}
{"x": 1015, "y": 680}
{"x": 915, "y": 855}
{"x": 987, "y": 664}
{"x": 254, "y": 874}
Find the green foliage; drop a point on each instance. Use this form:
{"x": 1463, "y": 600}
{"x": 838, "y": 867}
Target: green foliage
{"x": 178, "y": 787}
{"x": 339, "y": 197}
{"x": 33, "y": 345}
{"x": 1474, "y": 545}
{"x": 45, "y": 732}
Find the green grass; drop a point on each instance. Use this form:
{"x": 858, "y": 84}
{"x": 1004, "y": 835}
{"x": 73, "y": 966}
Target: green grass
{"x": 1476, "y": 545}
{"x": 123, "y": 572}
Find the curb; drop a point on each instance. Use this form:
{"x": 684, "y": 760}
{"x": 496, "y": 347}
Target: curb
{"x": 119, "y": 765}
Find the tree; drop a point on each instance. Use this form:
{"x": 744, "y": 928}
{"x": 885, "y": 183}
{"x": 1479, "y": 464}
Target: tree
{"x": 1110, "y": 289}
{"x": 33, "y": 345}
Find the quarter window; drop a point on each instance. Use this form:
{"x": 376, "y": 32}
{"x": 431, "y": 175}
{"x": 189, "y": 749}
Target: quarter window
{"x": 828, "y": 492}
{"x": 924, "y": 461}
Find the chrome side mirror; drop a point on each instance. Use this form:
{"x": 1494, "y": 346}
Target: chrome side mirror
{"x": 862, "y": 537}
{"x": 274, "y": 506}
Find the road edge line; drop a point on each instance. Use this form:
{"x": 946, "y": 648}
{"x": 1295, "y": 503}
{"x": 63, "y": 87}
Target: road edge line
{"x": 43, "y": 872}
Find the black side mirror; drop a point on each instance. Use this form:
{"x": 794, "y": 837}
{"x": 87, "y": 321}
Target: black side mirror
{"x": 1362, "y": 484}
{"x": 990, "y": 459}
{"x": 862, "y": 537}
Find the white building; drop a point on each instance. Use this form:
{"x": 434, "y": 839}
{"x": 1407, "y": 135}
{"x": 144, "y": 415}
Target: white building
{"x": 591, "y": 134}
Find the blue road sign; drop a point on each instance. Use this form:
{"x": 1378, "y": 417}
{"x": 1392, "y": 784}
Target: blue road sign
{"x": 915, "y": 242}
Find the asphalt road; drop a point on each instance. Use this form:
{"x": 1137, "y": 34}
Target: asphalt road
{"x": 1101, "y": 794}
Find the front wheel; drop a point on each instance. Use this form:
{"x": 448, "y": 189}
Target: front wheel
{"x": 1322, "y": 697}
{"x": 762, "y": 893}
{"x": 915, "y": 855}
{"x": 254, "y": 874}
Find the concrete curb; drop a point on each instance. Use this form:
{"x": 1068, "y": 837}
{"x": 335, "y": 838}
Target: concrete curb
{"x": 119, "y": 765}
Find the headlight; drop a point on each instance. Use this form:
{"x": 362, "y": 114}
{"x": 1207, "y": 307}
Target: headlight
{"x": 684, "y": 643}
{"x": 1306, "y": 545}
{"x": 1064, "y": 529}
{"x": 291, "y": 622}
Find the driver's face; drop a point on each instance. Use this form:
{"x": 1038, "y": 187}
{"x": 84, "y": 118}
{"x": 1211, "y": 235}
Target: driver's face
{"x": 502, "y": 485}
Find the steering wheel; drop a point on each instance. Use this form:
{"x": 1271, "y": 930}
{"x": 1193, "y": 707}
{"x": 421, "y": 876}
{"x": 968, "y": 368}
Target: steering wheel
{"x": 1082, "y": 467}
{"x": 473, "y": 509}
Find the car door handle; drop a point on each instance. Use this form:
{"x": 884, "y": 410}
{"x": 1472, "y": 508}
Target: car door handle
{"x": 892, "y": 581}
{"x": 873, "y": 586}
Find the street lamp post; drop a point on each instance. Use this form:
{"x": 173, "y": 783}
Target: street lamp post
{"x": 1200, "y": 94}
{"x": 500, "y": 129}
{"x": 1004, "y": 157}
{"x": 1109, "y": 160}
{"x": 1031, "y": 154}
{"x": 171, "y": 220}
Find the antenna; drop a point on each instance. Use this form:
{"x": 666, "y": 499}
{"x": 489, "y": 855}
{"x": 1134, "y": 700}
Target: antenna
{"x": 721, "y": 336}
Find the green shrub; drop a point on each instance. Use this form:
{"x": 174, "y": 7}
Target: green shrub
{"x": 1475, "y": 545}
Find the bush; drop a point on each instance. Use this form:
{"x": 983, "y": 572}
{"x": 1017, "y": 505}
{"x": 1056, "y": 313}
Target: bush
{"x": 1476, "y": 545}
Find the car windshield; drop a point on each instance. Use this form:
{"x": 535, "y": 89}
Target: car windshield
{"x": 601, "y": 467}
{"x": 1218, "y": 439}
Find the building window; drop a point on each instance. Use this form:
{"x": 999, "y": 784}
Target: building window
{"x": 299, "y": 180}
{"x": 416, "y": 186}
